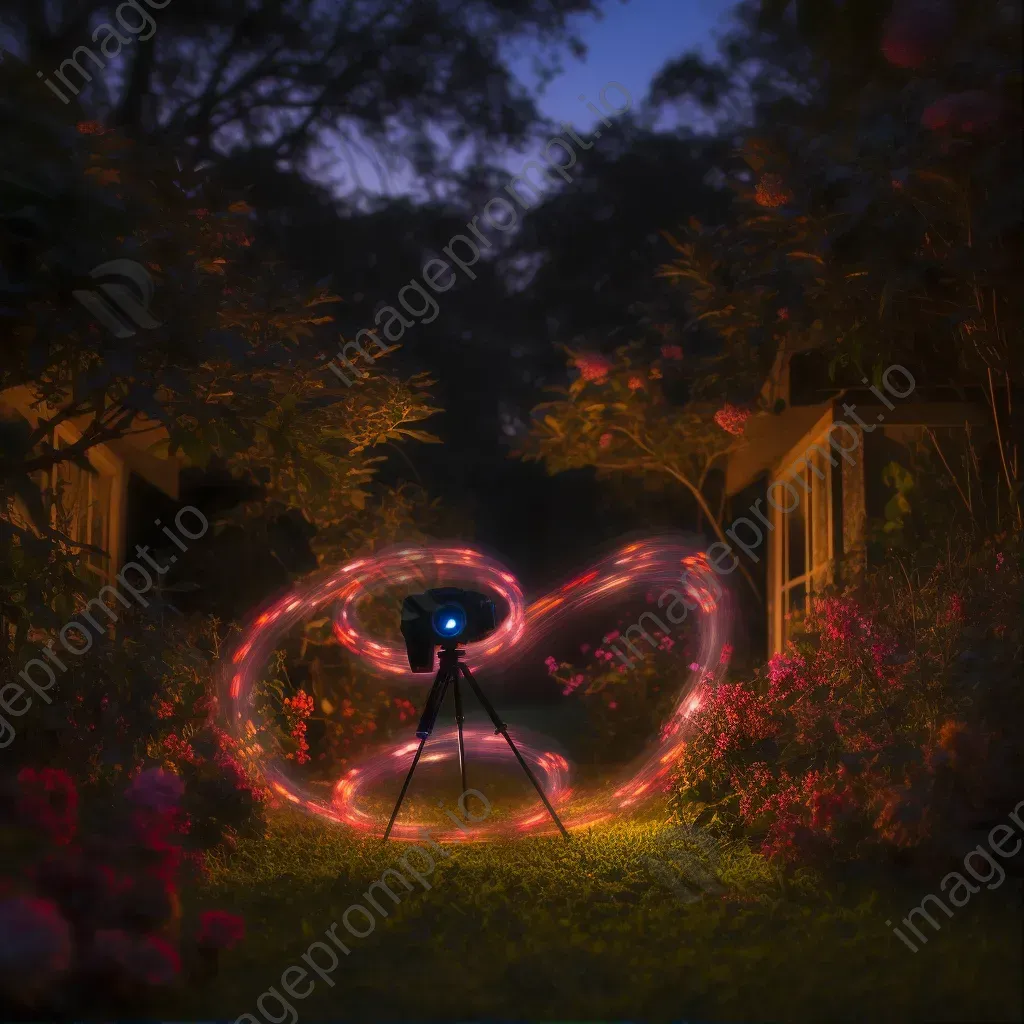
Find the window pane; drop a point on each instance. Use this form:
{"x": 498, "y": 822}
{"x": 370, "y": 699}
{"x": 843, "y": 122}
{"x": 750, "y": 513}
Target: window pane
{"x": 101, "y": 491}
{"x": 796, "y": 530}
{"x": 795, "y": 603}
{"x": 820, "y": 514}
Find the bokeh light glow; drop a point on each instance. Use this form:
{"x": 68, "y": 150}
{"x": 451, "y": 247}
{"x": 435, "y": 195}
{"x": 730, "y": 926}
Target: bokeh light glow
{"x": 656, "y": 565}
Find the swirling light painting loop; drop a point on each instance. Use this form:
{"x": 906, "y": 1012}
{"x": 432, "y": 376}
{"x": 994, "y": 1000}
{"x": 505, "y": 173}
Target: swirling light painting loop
{"x": 682, "y": 576}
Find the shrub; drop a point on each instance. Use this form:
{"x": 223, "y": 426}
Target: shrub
{"x": 870, "y": 731}
{"x": 90, "y": 918}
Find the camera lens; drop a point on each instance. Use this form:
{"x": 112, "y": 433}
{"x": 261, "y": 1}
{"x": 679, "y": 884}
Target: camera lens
{"x": 449, "y": 620}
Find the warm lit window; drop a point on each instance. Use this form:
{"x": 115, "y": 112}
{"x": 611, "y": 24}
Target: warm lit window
{"x": 82, "y": 508}
{"x": 802, "y": 550}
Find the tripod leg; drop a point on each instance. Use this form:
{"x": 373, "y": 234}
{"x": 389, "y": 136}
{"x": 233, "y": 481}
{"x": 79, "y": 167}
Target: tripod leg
{"x": 401, "y": 796}
{"x": 502, "y": 728}
{"x": 434, "y": 699}
{"x": 459, "y": 719}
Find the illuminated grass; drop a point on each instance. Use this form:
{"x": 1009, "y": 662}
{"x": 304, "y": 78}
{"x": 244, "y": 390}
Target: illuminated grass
{"x": 542, "y": 929}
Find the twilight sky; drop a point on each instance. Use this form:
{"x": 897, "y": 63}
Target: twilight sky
{"x": 629, "y": 45}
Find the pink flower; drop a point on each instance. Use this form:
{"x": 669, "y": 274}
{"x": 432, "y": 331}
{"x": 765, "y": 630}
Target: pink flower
{"x": 604, "y": 441}
{"x": 593, "y": 366}
{"x": 574, "y": 683}
{"x": 219, "y": 929}
{"x": 613, "y": 635}
{"x": 156, "y": 790}
{"x": 35, "y": 944}
{"x": 584, "y": 648}
{"x": 612, "y": 705}
{"x": 970, "y": 112}
{"x": 954, "y": 611}
{"x": 671, "y": 352}
{"x": 599, "y": 653}
{"x": 694, "y": 667}
{"x": 732, "y": 419}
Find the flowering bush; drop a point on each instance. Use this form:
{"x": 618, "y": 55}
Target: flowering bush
{"x": 297, "y": 709}
{"x": 625, "y": 704}
{"x": 871, "y": 731}
{"x": 90, "y": 919}
{"x": 803, "y": 757}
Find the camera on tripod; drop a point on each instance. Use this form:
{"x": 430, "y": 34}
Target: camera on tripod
{"x": 444, "y": 617}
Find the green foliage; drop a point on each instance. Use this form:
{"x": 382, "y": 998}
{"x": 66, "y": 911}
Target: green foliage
{"x": 618, "y": 416}
{"x": 884, "y": 235}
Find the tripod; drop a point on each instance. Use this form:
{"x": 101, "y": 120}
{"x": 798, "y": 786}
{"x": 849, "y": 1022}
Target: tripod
{"x": 448, "y": 674}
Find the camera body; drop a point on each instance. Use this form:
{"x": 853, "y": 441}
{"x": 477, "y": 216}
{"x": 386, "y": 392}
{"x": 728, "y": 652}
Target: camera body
{"x": 444, "y": 617}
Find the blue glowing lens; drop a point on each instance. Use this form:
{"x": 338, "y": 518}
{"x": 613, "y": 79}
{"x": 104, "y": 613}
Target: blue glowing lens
{"x": 449, "y": 620}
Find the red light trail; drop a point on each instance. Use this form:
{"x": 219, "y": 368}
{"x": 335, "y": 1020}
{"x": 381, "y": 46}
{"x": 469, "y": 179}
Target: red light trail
{"x": 638, "y": 567}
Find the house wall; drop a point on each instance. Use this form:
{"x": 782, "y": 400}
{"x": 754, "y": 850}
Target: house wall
{"x": 768, "y": 440}
{"x": 114, "y": 460}
{"x": 778, "y": 444}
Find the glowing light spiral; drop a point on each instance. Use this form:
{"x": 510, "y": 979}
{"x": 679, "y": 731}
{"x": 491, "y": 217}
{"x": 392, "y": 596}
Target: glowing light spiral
{"x": 659, "y": 563}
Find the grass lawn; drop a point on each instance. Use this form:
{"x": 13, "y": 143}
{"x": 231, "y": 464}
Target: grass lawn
{"x": 542, "y": 929}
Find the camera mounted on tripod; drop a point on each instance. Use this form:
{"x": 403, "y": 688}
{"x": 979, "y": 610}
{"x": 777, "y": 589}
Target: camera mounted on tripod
{"x": 444, "y": 617}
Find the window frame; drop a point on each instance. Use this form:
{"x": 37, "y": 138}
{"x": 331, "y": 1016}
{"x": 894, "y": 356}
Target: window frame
{"x": 818, "y": 505}
{"x": 104, "y": 468}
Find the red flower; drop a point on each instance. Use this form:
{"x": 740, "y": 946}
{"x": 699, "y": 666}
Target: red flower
{"x": 593, "y": 366}
{"x": 771, "y": 191}
{"x": 90, "y": 127}
{"x": 732, "y": 419}
{"x": 179, "y": 749}
{"x": 635, "y": 383}
{"x": 671, "y": 352}
{"x": 219, "y": 929}
{"x": 49, "y": 800}
{"x": 604, "y": 441}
